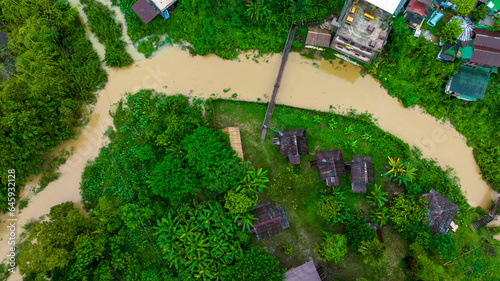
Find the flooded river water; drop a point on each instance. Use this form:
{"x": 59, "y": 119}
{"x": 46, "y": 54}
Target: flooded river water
{"x": 305, "y": 84}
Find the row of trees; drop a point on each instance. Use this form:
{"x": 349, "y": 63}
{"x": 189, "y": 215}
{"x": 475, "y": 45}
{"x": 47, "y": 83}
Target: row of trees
{"x": 57, "y": 75}
{"x": 101, "y": 21}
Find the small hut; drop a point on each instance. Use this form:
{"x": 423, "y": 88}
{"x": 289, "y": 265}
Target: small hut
{"x": 318, "y": 37}
{"x": 331, "y": 166}
{"x": 305, "y": 272}
{"x": 441, "y": 211}
{"x": 362, "y": 173}
{"x": 271, "y": 221}
{"x": 293, "y": 143}
{"x": 235, "y": 140}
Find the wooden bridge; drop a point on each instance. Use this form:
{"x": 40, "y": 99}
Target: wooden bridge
{"x": 278, "y": 82}
{"x": 486, "y": 219}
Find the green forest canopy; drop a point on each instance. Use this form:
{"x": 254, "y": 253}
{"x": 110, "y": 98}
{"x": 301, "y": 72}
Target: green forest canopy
{"x": 57, "y": 75}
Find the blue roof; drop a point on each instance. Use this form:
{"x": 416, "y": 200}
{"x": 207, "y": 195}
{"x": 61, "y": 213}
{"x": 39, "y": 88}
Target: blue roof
{"x": 435, "y": 17}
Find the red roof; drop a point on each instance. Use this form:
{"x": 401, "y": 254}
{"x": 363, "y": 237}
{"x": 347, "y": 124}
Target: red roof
{"x": 418, "y": 8}
{"x": 144, "y": 10}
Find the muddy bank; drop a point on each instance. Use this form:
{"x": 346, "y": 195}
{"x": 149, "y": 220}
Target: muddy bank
{"x": 305, "y": 84}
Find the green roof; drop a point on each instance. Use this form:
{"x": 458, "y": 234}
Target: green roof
{"x": 471, "y": 83}
{"x": 466, "y": 52}
{"x": 493, "y": 4}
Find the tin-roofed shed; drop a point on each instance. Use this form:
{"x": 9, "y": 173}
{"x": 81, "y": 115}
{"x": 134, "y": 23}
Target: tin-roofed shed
{"x": 271, "y": 221}
{"x": 468, "y": 84}
{"x": 441, "y": 211}
{"x": 331, "y": 166}
{"x": 144, "y": 10}
{"x": 305, "y": 272}
{"x": 292, "y": 143}
{"x": 362, "y": 173}
{"x": 318, "y": 37}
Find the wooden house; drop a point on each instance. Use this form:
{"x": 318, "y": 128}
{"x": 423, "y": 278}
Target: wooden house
{"x": 441, "y": 211}
{"x": 292, "y": 143}
{"x": 305, "y": 272}
{"x": 235, "y": 140}
{"x": 330, "y": 166}
{"x": 362, "y": 173}
{"x": 271, "y": 221}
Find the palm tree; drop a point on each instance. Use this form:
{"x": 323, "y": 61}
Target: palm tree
{"x": 258, "y": 10}
{"x": 299, "y": 10}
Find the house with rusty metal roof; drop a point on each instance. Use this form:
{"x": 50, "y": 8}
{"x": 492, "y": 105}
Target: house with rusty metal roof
{"x": 305, "y": 272}
{"x": 318, "y": 37}
{"x": 147, "y": 10}
{"x": 271, "y": 221}
{"x": 330, "y": 166}
{"x": 441, "y": 211}
{"x": 292, "y": 143}
{"x": 362, "y": 173}
{"x": 486, "y": 48}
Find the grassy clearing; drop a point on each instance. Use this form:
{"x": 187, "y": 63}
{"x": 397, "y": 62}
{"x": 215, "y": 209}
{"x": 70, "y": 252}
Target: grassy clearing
{"x": 325, "y": 131}
{"x": 355, "y": 134}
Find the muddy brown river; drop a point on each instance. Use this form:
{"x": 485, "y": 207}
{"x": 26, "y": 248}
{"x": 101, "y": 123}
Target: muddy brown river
{"x": 306, "y": 84}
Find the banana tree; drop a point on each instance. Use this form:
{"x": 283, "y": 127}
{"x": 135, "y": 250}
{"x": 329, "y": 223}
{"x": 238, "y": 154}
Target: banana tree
{"x": 377, "y": 197}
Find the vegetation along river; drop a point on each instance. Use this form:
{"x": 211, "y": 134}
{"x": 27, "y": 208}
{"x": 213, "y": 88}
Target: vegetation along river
{"x": 306, "y": 84}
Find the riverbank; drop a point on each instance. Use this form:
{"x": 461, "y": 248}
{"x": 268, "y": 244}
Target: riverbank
{"x": 304, "y": 85}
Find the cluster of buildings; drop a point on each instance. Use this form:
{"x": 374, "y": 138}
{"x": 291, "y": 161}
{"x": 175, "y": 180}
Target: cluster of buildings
{"x": 361, "y": 30}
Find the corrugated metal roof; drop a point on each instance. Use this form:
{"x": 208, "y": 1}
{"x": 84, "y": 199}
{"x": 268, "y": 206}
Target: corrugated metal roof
{"x": 305, "y": 272}
{"x": 470, "y": 82}
{"x": 441, "y": 211}
{"x": 144, "y": 10}
{"x": 486, "y": 38}
{"x": 318, "y": 37}
{"x": 485, "y": 56}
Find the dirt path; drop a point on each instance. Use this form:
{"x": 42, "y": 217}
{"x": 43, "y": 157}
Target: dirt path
{"x": 306, "y": 85}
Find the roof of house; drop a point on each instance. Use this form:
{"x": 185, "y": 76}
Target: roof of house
{"x": 362, "y": 173}
{"x": 417, "y": 7}
{"x": 271, "y": 221}
{"x": 162, "y": 5}
{"x": 493, "y": 4}
{"x": 429, "y": 3}
{"x": 485, "y": 56}
{"x": 305, "y": 272}
{"x": 414, "y": 18}
{"x": 389, "y": 6}
{"x": 331, "y": 166}
{"x": 235, "y": 140}
{"x": 441, "y": 211}
{"x": 449, "y": 51}
{"x": 293, "y": 143}
{"x": 144, "y": 10}
{"x": 318, "y": 37}
{"x": 470, "y": 82}
{"x": 486, "y": 38}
